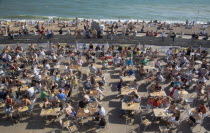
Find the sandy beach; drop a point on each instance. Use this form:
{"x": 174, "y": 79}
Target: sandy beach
{"x": 178, "y": 28}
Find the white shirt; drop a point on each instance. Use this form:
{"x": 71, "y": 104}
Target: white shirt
{"x": 137, "y": 100}
{"x": 163, "y": 34}
{"x": 102, "y": 111}
{"x": 47, "y": 66}
{"x": 117, "y": 60}
{"x": 176, "y": 94}
{"x": 38, "y": 77}
{"x": 42, "y": 53}
{"x": 169, "y": 52}
{"x": 80, "y": 62}
{"x": 31, "y": 91}
{"x": 92, "y": 69}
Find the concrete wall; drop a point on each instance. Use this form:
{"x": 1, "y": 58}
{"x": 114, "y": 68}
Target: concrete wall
{"x": 117, "y": 40}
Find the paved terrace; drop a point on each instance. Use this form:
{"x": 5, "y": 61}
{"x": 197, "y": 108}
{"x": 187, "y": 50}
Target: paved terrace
{"x": 112, "y": 104}
{"x": 140, "y": 38}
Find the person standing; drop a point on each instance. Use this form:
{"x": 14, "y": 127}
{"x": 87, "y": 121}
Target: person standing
{"x": 163, "y": 34}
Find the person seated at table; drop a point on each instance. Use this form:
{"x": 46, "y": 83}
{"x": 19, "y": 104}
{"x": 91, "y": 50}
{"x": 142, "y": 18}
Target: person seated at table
{"x": 167, "y": 102}
{"x": 105, "y": 62}
{"x": 27, "y": 102}
{"x": 136, "y": 98}
{"x": 122, "y": 73}
{"x": 24, "y": 73}
{"x": 3, "y": 94}
{"x": 68, "y": 69}
{"x": 44, "y": 94}
{"x": 74, "y": 81}
{"x": 129, "y": 62}
{"x": 203, "y": 109}
{"x": 87, "y": 84}
{"x": 99, "y": 73}
{"x": 177, "y": 94}
{"x": 172, "y": 107}
{"x": 8, "y": 105}
{"x": 120, "y": 85}
{"x": 80, "y": 62}
{"x": 83, "y": 103}
{"x": 61, "y": 95}
{"x": 101, "y": 111}
{"x": 156, "y": 87}
{"x": 37, "y": 77}
{"x": 31, "y": 92}
{"x": 157, "y": 102}
{"x": 134, "y": 84}
{"x": 177, "y": 82}
{"x": 142, "y": 70}
{"x": 92, "y": 79}
{"x": 174, "y": 72}
{"x": 149, "y": 103}
{"x": 47, "y": 66}
{"x": 195, "y": 115}
{"x": 47, "y": 104}
{"x": 130, "y": 72}
{"x": 174, "y": 118}
{"x": 70, "y": 111}
{"x": 117, "y": 60}
{"x": 159, "y": 77}
{"x": 199, "y": 88}
{"x": 93, "y": 69}
{"x": 144, "y": 62}
{"x": 97, "y": 87}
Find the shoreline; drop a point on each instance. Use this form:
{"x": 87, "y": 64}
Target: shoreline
{"x": 27, "y": 18}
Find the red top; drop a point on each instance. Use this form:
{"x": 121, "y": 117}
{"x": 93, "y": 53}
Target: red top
{"x": 155, "y": 33}
{"x": 203, "y": 109}
{"x": 156, "y": 103}
{"x": 9, "y": 101}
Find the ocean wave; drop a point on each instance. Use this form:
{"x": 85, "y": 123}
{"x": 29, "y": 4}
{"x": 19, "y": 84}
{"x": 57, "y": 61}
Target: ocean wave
{"x": 117, "y": 19}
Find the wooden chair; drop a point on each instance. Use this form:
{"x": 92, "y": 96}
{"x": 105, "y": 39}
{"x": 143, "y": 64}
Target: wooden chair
{"x": 163, "y": 129}
{"x": 71, "y": 126}
{"x": 145, "y": 122}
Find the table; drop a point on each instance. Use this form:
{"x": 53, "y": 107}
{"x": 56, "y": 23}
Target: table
{"x": 133, "y": 106}
{"x": 24, "y": 88}
{"x": 97, "y": 79}
{"x": 98, "y": 66}
{"x": 23, "y": 109}
{"x": 198, "y": 62}
{"x": 2, "y": 105}
{"x": 184, "y": 92}
{"x": 86, "y": 112}
{"x": 75, "y": 67}
{"x": 158, "y": 94}
{"x": 127, "y": 91}
{"x": 128, "y": 78}
{"x": 56, "y": 66}
{"x": 31, "y": 75}
{"x": 149, "y": 67}
{"x": 46, "y": 77}
{"x": 50, "y": 112}
{"x": 160, "y": 113}
{"x": 94, "y": 93}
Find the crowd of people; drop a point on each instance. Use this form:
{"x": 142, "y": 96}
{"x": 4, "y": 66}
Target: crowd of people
{"x": 83, "y": 29}
{"x": 54, "y": 77}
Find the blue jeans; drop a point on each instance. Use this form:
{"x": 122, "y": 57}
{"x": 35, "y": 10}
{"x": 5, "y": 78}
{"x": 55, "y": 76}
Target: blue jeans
{"x": 8, "y": 110}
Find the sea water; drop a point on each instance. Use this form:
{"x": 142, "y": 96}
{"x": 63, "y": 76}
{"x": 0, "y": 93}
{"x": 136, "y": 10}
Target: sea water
{"x": 161, "y": 10}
